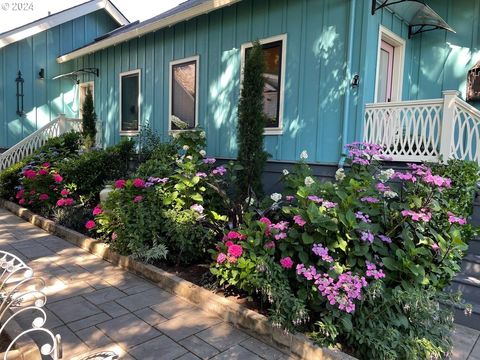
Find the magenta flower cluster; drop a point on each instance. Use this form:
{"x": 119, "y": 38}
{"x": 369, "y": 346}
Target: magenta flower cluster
{"x": 362, "y": 153}
{"x": 422, "y": 215}
{"x": 373, "y": 272}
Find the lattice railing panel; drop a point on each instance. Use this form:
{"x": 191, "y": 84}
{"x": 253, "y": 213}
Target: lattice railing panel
{"x": 37, "y": 139}
{"x": 466, "y": 132}
{"x": 408, "y": 131}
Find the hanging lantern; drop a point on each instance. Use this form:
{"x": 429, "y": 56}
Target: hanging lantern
{"x": 19, "y": 80}
{"x": 473, "y": 83}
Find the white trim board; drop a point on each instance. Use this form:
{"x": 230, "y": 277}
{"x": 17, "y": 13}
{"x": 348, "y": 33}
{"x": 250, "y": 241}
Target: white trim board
{"x": 59, "y": 18}
{"x": 283, "y": 38}
{"x": 195, "y": 58}
{"x": 139, "y": 101}
{"x": 399, "y": 45}
{"x": 137, "y": 31}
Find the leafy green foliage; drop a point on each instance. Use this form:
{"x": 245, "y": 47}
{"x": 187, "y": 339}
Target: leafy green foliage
{"x": 9, "y": 179}
{"x": 90, "y": 171}
{"x": 251, "y": 124}
{"x": 89, "y": 119}
{"x": 366, "y": 257}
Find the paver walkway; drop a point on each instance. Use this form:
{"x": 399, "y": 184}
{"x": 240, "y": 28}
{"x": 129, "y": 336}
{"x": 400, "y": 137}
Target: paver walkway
{"x": 466, "y": 344}
{"x": 97, "y": 306}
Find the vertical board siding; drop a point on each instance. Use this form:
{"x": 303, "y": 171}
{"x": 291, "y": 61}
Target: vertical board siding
{"x": 315, "y": 81}
{"x": 44, "y": 99}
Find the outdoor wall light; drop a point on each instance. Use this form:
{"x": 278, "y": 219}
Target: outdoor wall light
{"x": 19, "y": 80}
{"x": 355, "y": 80}
{"x": 41, "y": 74}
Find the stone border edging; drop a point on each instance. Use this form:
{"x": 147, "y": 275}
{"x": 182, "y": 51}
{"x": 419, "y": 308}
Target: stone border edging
{"x": 228, "y": 310}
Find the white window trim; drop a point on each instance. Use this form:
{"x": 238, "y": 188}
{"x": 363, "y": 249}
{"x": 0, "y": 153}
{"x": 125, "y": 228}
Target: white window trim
{"x": 283, "y": 37}
{"x": 195, "y": 58}
{"x": 398, "y": 44}
{"x": 80, "y": 86}
{"x": 137, "y": 71}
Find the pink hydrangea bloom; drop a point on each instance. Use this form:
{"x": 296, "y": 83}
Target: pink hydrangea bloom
{"x": 197, "y": 207}
{"x": 221, "y": 258}
{"x": 114, "y": 236}
{"x": 201, "y": 174}
{"x": 57, "y": 178}
{"x": 138, "y": 183}
{"x": 423, "y": 215}
{"x": 90, "y": 224}
{"x": 435, "y": 247}
{"x": 209, "y": 161}
{"x": 97, "y": 211}
{"x": 219, "y": 171}
{"x": 329, "y": 204}
{"x": 120, "y": 184}
{"x": 233, "y": 235}
{"x": 266, "y": 221}
{"x": 286, "y": 262}
{"x": 61, "y": 202}
{"x": 69, "y": 201}
{"x": 137, "y": 198}
{"x": 46, "y": 165}
{"x": 370, "y": 200}
{"x": 235, "y": 250}
{"x": 282, "y": 225}
{"x": 43, "y": 197}
{"x": 299, "y": 220}
{"x": 452, "y": 219}
{"x": 29, "y": 174}
{"x": 270, "y": 245}
{"x": 372, "y": 271}
{"x": 280, "y": 236}
{"x": 64, "y": 192}
{"x": 42, "y": 172}
{"x": 21, "y": 201}
{"x": 315, "y": 199}
{"x": 289, "y": 197}
{"x": 19, "y": 194}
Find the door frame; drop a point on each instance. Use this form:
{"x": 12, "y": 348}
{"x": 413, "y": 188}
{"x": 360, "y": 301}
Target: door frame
{"x": 398, "y": 44}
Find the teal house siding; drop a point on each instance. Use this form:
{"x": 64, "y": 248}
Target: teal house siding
{"x": 43, "y": 99}
{"x": 316, "y": 80}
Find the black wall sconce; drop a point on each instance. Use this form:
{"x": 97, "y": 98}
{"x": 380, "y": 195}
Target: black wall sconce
{"x": 41, "y": 74}
{"x": 19, "y": 80}
{"x": 355, "y": 80}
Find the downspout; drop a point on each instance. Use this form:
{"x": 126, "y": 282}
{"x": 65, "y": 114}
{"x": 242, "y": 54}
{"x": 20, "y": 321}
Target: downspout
{"x": 346, "y": 104}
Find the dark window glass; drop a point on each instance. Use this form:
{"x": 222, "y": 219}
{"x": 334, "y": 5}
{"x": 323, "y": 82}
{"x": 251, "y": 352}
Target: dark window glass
{"x": 273, "y": 72}
{"x": 130, "y": 102}
{"x": 184, "y": 93}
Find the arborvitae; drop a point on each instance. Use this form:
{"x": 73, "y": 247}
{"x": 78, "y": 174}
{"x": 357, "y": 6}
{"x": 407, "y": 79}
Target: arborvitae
{"x": 89, "y": 119}
{"x": 251, "y": 124}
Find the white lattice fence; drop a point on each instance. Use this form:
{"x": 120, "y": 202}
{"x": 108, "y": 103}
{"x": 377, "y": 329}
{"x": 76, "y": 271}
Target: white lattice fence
{"x": 34, "y": 141}
{"x": 466, "y": 132}
{"x": 408, "y": 131}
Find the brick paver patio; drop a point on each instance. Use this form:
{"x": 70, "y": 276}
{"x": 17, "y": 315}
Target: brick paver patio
{"x": 96, "y": 306}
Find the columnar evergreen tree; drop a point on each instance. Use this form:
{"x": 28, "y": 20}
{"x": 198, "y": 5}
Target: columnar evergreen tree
{"x": 251, "y": 124}
{"x": 89, "y": 118}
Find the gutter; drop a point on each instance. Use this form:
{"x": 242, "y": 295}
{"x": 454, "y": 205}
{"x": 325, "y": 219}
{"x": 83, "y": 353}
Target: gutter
{"x": 187, "y": 14}
{"x": 346, "y": 104}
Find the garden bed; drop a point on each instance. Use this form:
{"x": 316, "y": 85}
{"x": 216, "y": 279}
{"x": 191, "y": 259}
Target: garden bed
{"x": 237, "y": 314}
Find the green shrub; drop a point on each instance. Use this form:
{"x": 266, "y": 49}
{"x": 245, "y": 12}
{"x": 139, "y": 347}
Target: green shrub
{"x": 90, "y": 171}
{"x": 364, "y": 260}
{"x": 89, "y": 119}
{"x": 464, "y": 176}
{"x": 9, "y": 180}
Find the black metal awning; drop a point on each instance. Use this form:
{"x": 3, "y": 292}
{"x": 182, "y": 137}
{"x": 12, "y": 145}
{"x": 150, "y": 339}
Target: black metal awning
{"x": 419, "y": 16}
{"x": 74, "y": 74}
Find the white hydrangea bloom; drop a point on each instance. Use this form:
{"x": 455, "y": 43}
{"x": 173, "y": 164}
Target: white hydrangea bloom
{"x": 276, "y": 197}
{"x": 202, "y": 134}
{"x": 390, "y": 194}
{"x": 340, "y": 174}
{"x": 203, "y": 153}
{"x": 186, "y": 147}
{"x": 304, "y": 155}
{"x": 309, "y": 181}
{"x": 176, "y": 135}
{"x": 285, "y": 172}
{"x": 385, "y": 175}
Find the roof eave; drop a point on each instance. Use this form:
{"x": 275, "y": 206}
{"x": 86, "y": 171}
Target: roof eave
{"x": 187, "y": 14}
{"x": 59, "y": 18}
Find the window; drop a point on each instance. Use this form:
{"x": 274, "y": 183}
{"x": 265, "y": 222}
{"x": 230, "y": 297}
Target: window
{"x": 129, "y": 102}
{"x": 274, "y": 49}
{"x": 183, "y": 92}
{"x": 82, "y": 93}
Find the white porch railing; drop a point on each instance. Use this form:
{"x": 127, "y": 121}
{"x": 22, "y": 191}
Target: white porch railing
{"x": 27, "y": 146}
{"x": 425, "y": 130}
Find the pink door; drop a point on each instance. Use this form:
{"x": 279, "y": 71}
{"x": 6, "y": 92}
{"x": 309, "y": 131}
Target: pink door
{"x": 385, "y": 73}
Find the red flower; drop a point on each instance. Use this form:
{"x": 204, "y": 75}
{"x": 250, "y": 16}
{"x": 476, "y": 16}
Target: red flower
{"x": 120, "y": 184}
{"x": 42, "y": 172}
{"x": 69, "y": 201}
{"x": 19, "y": 194}
{"x": 65, "y": 192}
{"x": 57, "y": 178}
{"x": 60, "y": 202}
{"x": 30, "y": 174}
{"x": 21, "y": 201}
{"x": 235, "y": 250}
{"x": 138, "y": 183}
{"x": 97, "y": 210}
{"x": 90, "y": 225}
